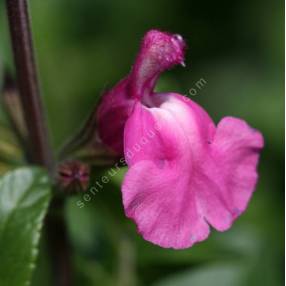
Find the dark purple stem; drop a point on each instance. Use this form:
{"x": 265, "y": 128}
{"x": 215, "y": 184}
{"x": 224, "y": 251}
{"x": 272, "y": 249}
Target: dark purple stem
{"x": 59, "y": 245}
{"x": 29, "y": 92}
{"x": 27, "y": 80}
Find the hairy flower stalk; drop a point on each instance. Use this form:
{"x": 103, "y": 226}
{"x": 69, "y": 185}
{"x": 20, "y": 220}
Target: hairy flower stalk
{"x": 191, "y": 174}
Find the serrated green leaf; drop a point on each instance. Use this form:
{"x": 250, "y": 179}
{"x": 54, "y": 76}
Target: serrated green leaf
{"x": 24, "y": 199}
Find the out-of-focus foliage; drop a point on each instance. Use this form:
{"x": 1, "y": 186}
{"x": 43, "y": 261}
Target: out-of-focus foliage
{"x": 10, "y": 153}
{"x": 84, "y": 47}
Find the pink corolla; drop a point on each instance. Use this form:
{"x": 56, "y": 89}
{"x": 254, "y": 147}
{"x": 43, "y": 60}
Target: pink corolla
{"x": 187, "y": 174}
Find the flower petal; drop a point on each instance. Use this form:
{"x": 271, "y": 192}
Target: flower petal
{"x": 162, "y": 205}
{"x": 235, "y": 154}
{"x": 189, "y": 173}
{"x": 170, "y": 130}
{"x": 158, "y": 192}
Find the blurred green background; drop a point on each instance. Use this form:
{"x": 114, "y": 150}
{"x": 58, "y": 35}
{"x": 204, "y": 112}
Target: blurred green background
{"x": 85, "y": 47}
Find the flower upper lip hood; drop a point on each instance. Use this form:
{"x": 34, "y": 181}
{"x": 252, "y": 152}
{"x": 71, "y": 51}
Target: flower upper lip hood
{"x": 159, "y": 51}
{"x": 185, "y": 174}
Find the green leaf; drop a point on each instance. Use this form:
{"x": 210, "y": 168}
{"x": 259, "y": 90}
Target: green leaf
{"x": 24, "y": 199}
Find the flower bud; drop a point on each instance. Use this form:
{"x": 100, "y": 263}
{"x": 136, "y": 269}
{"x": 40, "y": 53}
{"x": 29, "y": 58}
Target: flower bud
{"x": 73, "y": 176}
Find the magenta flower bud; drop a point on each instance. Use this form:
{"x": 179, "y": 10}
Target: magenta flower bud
{"x": 73, "y": 176}
{"x": 185, "y": 173}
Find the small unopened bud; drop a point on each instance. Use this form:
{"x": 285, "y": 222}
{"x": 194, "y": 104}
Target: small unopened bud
{"x": 73, "y": 176}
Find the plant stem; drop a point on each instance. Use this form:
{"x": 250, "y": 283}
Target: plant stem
{"x": 21, "y": 38}
{"x": 59, "y": 246}
{"x": 41, "y": 153}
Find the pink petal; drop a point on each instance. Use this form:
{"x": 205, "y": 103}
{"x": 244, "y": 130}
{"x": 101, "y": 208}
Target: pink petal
{"x": 188, "y": 173}
{"x": 235, "y": 153}
{"x": 167, "y": 130}
{"x": 162, "y": 205}
{"x": 157, "y": 190}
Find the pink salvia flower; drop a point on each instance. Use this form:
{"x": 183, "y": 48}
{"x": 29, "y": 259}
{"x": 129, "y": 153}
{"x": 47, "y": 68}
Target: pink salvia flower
{"x": 185, "y": 174}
